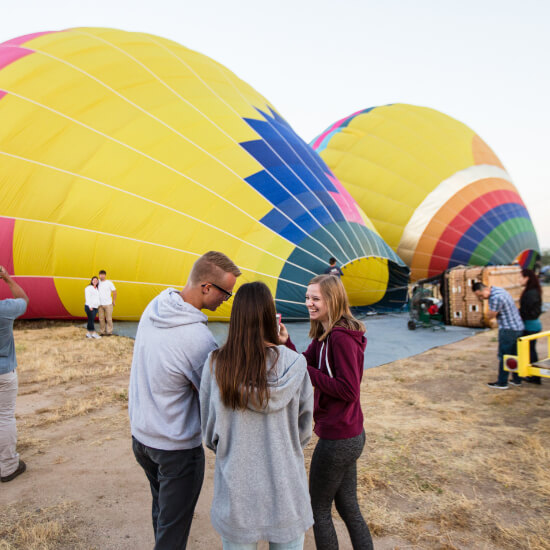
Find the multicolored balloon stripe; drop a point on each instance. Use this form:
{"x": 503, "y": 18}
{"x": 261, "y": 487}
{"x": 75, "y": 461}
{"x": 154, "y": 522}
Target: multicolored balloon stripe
{"x": 433, "y": 189}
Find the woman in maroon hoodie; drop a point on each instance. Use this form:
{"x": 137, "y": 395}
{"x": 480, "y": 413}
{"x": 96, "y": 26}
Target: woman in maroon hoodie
{"x": 335, "y": 365}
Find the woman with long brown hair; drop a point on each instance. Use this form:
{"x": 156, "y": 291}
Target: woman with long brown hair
{"x": 335, "y": 365}
{"x": 530, "y": 308}
{"x": 256, "y": 414}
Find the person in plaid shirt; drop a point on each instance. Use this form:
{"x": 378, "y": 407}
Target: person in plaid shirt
{"x": 510, "y": 328}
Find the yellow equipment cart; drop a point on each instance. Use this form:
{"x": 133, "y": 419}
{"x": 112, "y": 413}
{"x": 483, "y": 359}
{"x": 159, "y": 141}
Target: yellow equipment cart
{"x": 521, "y": 363}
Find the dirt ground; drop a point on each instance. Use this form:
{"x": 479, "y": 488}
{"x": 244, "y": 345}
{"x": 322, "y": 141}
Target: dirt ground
{"x": 449, "y": 462}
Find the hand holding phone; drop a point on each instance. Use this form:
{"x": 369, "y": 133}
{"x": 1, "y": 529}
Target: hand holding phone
{"x": 283, "y": 334}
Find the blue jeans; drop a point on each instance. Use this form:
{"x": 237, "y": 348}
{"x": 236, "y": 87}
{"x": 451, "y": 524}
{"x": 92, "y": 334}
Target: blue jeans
{"x": 507, "y": 345}
{"x": 297, "y": 544}
{"x": 176, "y": 479}
{"x": 91, "y": 313}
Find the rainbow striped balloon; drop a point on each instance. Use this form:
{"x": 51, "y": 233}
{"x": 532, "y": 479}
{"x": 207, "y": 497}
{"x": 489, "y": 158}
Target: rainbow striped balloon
{"x": 434, "y": 190}
{"x": 131, "y": 153}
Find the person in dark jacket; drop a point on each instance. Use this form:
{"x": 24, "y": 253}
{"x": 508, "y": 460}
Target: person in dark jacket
{"x": 333, "y": 269}
{"x": 335, "y": 365}
{"x": 530, "y": 308}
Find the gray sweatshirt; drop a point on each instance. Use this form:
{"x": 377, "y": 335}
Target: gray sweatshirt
{"x": 172, "y": 343}
{"x": 260, "y": 481}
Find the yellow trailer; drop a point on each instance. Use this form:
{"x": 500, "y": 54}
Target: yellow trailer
{"x": 521, "y": 363}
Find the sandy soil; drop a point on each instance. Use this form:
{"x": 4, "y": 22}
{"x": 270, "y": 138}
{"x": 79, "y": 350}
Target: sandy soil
{"x": 447, "y": 464}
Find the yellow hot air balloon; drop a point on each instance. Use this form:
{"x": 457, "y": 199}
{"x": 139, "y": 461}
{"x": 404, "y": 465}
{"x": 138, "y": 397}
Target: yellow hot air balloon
{"x": 436, "y": 193}
{"x": 131, "y": 153}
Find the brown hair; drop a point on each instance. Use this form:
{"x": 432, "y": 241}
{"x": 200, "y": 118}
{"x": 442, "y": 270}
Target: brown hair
{"x": 212, "y": 265}
{"x": 339, "y": 314}
{"x": 241, "y": 363}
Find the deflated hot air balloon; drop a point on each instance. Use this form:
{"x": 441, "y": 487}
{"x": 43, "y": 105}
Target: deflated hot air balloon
{"x": 131, "y": 153}
{"x": 434, "y": 190}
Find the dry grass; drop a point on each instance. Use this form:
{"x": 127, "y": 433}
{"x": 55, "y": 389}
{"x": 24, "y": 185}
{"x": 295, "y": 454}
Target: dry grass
{"x": 449, "y": 463}
{"x": 65, "y": 355}
{"x": 62, "y": 375}
{"x": 51, "y": 528}
{"x": 96, "y": 399}
{"x": 70, "y": 375}
{"x": 28, "y": 444}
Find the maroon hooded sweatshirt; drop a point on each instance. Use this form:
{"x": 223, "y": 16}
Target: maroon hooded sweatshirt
{"x": 337, "y": 407}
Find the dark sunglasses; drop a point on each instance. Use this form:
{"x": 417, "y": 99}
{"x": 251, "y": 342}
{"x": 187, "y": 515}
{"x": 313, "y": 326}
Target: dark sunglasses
{"x": 227, "y": 294}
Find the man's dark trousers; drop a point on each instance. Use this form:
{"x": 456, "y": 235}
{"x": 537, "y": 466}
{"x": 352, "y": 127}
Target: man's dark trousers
{"x": 176, "y": 479}
{"x": 507, "y": 345}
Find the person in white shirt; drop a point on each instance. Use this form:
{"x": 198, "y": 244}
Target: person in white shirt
{"x": 107, "y": 299}
{"x": 91, "y": 293}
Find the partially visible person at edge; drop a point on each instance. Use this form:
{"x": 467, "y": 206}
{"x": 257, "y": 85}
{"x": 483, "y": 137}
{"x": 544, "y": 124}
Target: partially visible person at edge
{"x": 510, "y": 327}
{"x": 256, "y": 409}
{"x": 91, "y": 295}
{"x": 335, "y": 364}
{"x": 333, "y": 269}
{"x": 171, "y": 346}
{"x": 530, "y": 308}
{"x": 10, "y": 464}
{"x": 107, "y": 299}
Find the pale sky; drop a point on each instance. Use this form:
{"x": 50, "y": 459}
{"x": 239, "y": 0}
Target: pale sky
{"x": 483, "y": 62}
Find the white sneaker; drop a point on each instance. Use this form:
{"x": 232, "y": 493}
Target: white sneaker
{"x": 88, "y": 335}
{"x": 96, "y": 336}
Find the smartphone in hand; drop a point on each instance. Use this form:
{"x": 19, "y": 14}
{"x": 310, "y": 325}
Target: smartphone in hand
{"x": 278, "y": 316}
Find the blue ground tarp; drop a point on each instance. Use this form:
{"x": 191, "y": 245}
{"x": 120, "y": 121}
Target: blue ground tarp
{"x": 387, "y": 335}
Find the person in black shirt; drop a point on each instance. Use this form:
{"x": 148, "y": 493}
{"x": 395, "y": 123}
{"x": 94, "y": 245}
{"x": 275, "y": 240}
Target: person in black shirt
{"x": 530, "y": 308}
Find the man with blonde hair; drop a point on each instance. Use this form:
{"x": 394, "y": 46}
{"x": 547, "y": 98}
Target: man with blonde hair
{"x": 172, "y": 344}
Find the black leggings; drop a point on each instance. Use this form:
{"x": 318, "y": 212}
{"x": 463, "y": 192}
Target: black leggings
{"x": 91, "y": 313}
{"x": 333, "y": 477}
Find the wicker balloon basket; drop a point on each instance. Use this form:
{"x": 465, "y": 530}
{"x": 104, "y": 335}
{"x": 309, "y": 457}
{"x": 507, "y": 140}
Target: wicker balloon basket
{"x": 463, "y": 307}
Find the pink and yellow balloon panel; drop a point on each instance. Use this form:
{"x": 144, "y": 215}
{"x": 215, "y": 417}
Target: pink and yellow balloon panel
{"x": 131, "y": 153}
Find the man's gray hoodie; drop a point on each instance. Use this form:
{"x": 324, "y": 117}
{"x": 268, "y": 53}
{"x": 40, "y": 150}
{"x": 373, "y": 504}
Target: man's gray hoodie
{"x": 260, "y": 481}
{"x": 172, "y": 343}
